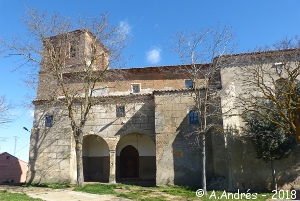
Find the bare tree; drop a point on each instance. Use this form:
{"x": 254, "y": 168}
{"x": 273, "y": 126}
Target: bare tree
{"x": 4, "y": 111}
{"x": 72, "y": 64}
{"x": 205, "y": 47}
{"x": 272, "y": 76}
{"x": 6, "y": 117}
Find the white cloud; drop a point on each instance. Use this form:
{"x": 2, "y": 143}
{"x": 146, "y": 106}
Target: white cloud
{"x": 125, "y": 27}
{"x": 30, "y": 113}
{"x": 153, "y": 56}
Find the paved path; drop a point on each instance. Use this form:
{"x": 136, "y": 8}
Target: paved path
{"x": 49, "y": 194}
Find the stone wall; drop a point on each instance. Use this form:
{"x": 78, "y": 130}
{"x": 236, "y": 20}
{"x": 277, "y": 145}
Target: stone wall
{"x": 246, "y": 171}
{"x": 50, "y": 154}
{"x": 52, "y": 157}
{"x": 178, "y": 153}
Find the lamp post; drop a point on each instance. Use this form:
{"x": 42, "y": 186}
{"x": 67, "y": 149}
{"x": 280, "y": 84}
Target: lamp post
{"x": 278, "y": 67}
{"x": 26, "y": 129}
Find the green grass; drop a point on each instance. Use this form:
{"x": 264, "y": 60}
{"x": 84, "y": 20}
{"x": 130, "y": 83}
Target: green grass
{"x": 138, "y": 192}
{"x": 161, "y": 193}
{"x": 100, "y": 189}
{"x": 127, "y": 191}
{"x": 186, "y": 192}
{"x": 5, "y": 196}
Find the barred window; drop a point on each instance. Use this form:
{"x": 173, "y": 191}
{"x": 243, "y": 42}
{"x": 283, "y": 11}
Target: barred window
{"x": 188, "y": 84}
{"x": 193, "y": 117}
{"x": 135, "y": 88}
{"x": 120, "y": 111}
{"x": 49, "y": 121}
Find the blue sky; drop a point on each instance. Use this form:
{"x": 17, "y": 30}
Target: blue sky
{"x": 150, "y": 24}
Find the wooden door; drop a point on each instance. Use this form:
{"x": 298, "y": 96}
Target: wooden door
{"x": 129, "y": 162}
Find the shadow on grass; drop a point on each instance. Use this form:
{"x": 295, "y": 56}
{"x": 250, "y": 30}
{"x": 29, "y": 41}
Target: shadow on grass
{"x": 156, "y": 193}
{"x": 138, "y": 192}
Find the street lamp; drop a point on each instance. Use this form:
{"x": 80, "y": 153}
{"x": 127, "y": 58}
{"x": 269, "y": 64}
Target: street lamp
{"x": 26, "y": 129}
{"x": 278, "y": 67}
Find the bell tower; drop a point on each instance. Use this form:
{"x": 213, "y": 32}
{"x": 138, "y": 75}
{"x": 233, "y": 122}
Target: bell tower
{"x": 70, "y": 52}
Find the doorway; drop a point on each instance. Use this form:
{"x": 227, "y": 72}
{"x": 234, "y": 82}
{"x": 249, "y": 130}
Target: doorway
{"x": 129, "y": 162}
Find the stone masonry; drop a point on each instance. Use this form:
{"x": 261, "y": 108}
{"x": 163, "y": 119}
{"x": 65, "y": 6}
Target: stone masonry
{"x": 140, "y": 130}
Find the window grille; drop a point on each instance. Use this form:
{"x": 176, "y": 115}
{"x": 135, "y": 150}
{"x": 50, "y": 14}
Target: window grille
{"x": 120, "y": 111}
{"x": 49, "y": 121}
{"x": 193, "y": 117}
{"x": 135, "y": 88}
{"x": 188, "y": 84}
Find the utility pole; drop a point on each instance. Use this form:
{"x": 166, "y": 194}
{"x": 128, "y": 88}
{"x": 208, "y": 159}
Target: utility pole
{"x": 15, "y": 145}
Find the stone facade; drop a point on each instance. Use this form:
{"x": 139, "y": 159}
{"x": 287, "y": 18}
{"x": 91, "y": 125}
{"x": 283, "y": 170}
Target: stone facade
{"x": 153, "y": 140}
{"x": 245, "y": 171}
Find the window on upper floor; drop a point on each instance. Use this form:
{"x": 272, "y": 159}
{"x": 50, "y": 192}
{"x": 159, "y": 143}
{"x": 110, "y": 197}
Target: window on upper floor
{"x": 188, "y": 84}
{"x": 73, "y": 50}
{"x": 49, "y": 121}
{"x": 120, "y": 111}
{"x": 193, "y": 117}
{"x": 135, "y": 88}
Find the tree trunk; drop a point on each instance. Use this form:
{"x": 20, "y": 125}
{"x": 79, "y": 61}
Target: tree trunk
{"x": 274, "y": 174}
{"x": 79, "y": 163}
{"x": 203, "y": 164}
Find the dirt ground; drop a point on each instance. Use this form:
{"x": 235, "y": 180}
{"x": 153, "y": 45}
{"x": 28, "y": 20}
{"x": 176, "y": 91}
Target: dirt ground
{"x": 49, "y": 194}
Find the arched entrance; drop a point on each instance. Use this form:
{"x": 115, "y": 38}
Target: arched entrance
{"x": 129, "y": 162}
{"x": 95, "y": 156}
{"x": 135, "y": 160}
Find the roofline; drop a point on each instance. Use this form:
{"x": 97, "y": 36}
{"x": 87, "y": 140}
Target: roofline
{"x": 40, "y": 101}
{"x": 165, "y": 66}
{"x": 157, "y": 68}
{"x": 13, "y": 156}
{"x": 260, "y": 52}
{"x": 149, "y": 68}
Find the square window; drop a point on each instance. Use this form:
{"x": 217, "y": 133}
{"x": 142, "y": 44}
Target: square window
{"x": 188, "y": 84}
{"x": 7, "y": 157}
{"x": 120, "y": 111}
{"x": 193, "y": 117}
{"x": 49, "y": 121}
{"x": 135, "y": 88}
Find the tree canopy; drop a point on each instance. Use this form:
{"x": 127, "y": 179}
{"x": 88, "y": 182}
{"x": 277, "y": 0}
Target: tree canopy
{"x": 269, "y": 139}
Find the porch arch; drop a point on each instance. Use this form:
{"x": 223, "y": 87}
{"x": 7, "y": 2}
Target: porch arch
{"x": 136, "y": 158}
{"x": 95, "y": 156}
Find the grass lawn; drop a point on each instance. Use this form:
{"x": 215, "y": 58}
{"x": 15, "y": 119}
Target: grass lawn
{"x": 5, "y": 196}
{"x": 160, "y": 193}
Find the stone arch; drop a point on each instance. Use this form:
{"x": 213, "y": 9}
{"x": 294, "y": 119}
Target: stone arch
{"x": 138, "y": 131}
{"x": 145, "y": 164}
{"x": 95, "y": 156}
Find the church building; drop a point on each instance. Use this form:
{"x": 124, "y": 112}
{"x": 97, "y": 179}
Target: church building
{"x": 141, "y": 128}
